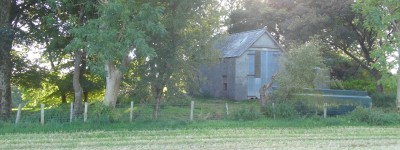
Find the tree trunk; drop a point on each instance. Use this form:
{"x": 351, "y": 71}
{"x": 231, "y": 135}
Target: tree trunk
{"x": 264, "y": 95}
{"x": 63, "y": 98}
{"x": 397, "y": 35}
{"x": 6, "y": 38}
{"x": 156, "y": 111}
{"x": 85, "y": 96}
{"x": 78, "y": 109}
{"x": 113, "y": 82}
{"x": 377, "y": 76}
{"x": 398, "y": 82}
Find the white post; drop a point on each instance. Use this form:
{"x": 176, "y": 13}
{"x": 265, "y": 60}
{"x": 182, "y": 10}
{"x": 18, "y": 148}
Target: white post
{"x": 325, "y": 109}
{"x": 85, "y": 112}
{"x": 370, "y": 105}
{"x": 42, "y": 114}
{"x": 71, "y": 112}
{"x": 273, "y": 109}
{"x": 18, "y": 113}
{"x": 131, "y": 117}
{"x": 227, "y": 108}
{"x": 191, "y": 110}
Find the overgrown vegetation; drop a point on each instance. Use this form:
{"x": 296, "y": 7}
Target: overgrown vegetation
{"x": 374, "y": 117}
{"x": 301, "y": 67}
{"x": 207, "y": 114}
{"x": 246, "y": 113}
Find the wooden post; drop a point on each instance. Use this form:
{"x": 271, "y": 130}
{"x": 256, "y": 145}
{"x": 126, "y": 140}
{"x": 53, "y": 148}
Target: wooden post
{"x": 85, "y": 112}
{"x": 18, "y": 113}
{"x": 325, "y": 109}
{"x": 42, "y": 114}
{"x": 131, "y": 117}
{"x": 71, "y": 112}
{"x": 370, "y": 105}
{"x": 191, "y": 110}
{"x": 273, "y": 109}
{"x": 227, "y": 108}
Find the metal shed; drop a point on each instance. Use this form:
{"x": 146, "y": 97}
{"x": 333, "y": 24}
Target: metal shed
{"x": 249, "y": 59}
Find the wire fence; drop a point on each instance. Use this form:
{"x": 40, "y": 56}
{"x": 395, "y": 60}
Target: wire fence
{"x": 131, "y": 112}
{"x": 127, "y": 112}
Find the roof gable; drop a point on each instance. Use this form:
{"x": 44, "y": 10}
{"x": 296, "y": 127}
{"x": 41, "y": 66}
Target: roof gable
{"x": 236, "y": 44}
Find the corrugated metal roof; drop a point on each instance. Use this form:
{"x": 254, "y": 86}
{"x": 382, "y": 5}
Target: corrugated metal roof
{"x": 236, "y": 44}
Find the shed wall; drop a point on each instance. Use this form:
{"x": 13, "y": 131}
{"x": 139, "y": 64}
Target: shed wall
{"x": 212, "y": 83}
{"x": 241, "y": 79}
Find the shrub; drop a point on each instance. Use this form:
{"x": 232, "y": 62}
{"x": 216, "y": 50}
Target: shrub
{"x": 281, "y": 110}
{"x": 374, "y": 117}
{"x": 104, "y": 113}
{"x": 384, "y": 100}
{"x": 246, "y": 113}
{"x": 363, "y": 85}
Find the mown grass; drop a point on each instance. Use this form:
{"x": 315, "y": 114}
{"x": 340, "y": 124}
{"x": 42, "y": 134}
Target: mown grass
{"x": 263, "y": 123}
{"x": 206, "y": 138}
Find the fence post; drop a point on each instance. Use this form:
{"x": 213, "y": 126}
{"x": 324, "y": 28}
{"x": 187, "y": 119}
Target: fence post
{"x": 42, "y": 114}
{"x": 325, "y": 109}
{"x": 71, "y": 112}
{"x": 131, "y": 117}
{"x": 191, "y": 110}
{"x": 273, "y": 109}
{"x": 227, "y": 108}
{"x": 370, "y": 105}
{"x": 85, "y": 112}
{"x": 18, "y": 113}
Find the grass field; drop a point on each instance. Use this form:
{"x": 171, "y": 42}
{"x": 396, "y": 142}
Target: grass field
{"x": 225, "y": 138}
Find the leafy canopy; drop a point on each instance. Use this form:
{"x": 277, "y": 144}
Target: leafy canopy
{"x": 123, "y": 26}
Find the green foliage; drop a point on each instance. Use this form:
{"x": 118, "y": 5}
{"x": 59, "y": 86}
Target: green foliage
{"x": 362, "y": 85}
{"x": 281, "y": 110}
{"x": 382, "y": 17}
{"x": 383, "y": 100}
{"x": 103, "y": 113}
{"x": 121, "y": 28}
{"x": 374, "y": 117}
{"x": 302, "y": 67}
{"x": 246, "y": 113}
{"x": 188, "y": 43}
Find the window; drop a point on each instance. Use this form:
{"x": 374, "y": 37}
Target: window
{"x": 225, "y": 81}
{"x": 255, "y": 64}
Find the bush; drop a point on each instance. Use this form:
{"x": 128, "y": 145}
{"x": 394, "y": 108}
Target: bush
{"x": 104, "y": 113}
{"x": 246, "y": 113}
{"x": 374, "y": 117}
{"x": 384, "y": 100}
{"x": 362, "y": 85}
{"x": 281, "y": 110}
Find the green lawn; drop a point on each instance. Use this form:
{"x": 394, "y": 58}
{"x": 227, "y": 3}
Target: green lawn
{"x": 208, "y": 138}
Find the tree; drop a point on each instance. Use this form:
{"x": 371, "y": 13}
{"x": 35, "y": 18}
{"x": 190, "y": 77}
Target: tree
{"x": 6, "y": 39}
{"x": 190, "y": 25}
{"x": 302, "y": 67}
{"x": 78, "y": 12}
{"x": 122, "y": 28}
{"x": 383, "y": 17}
